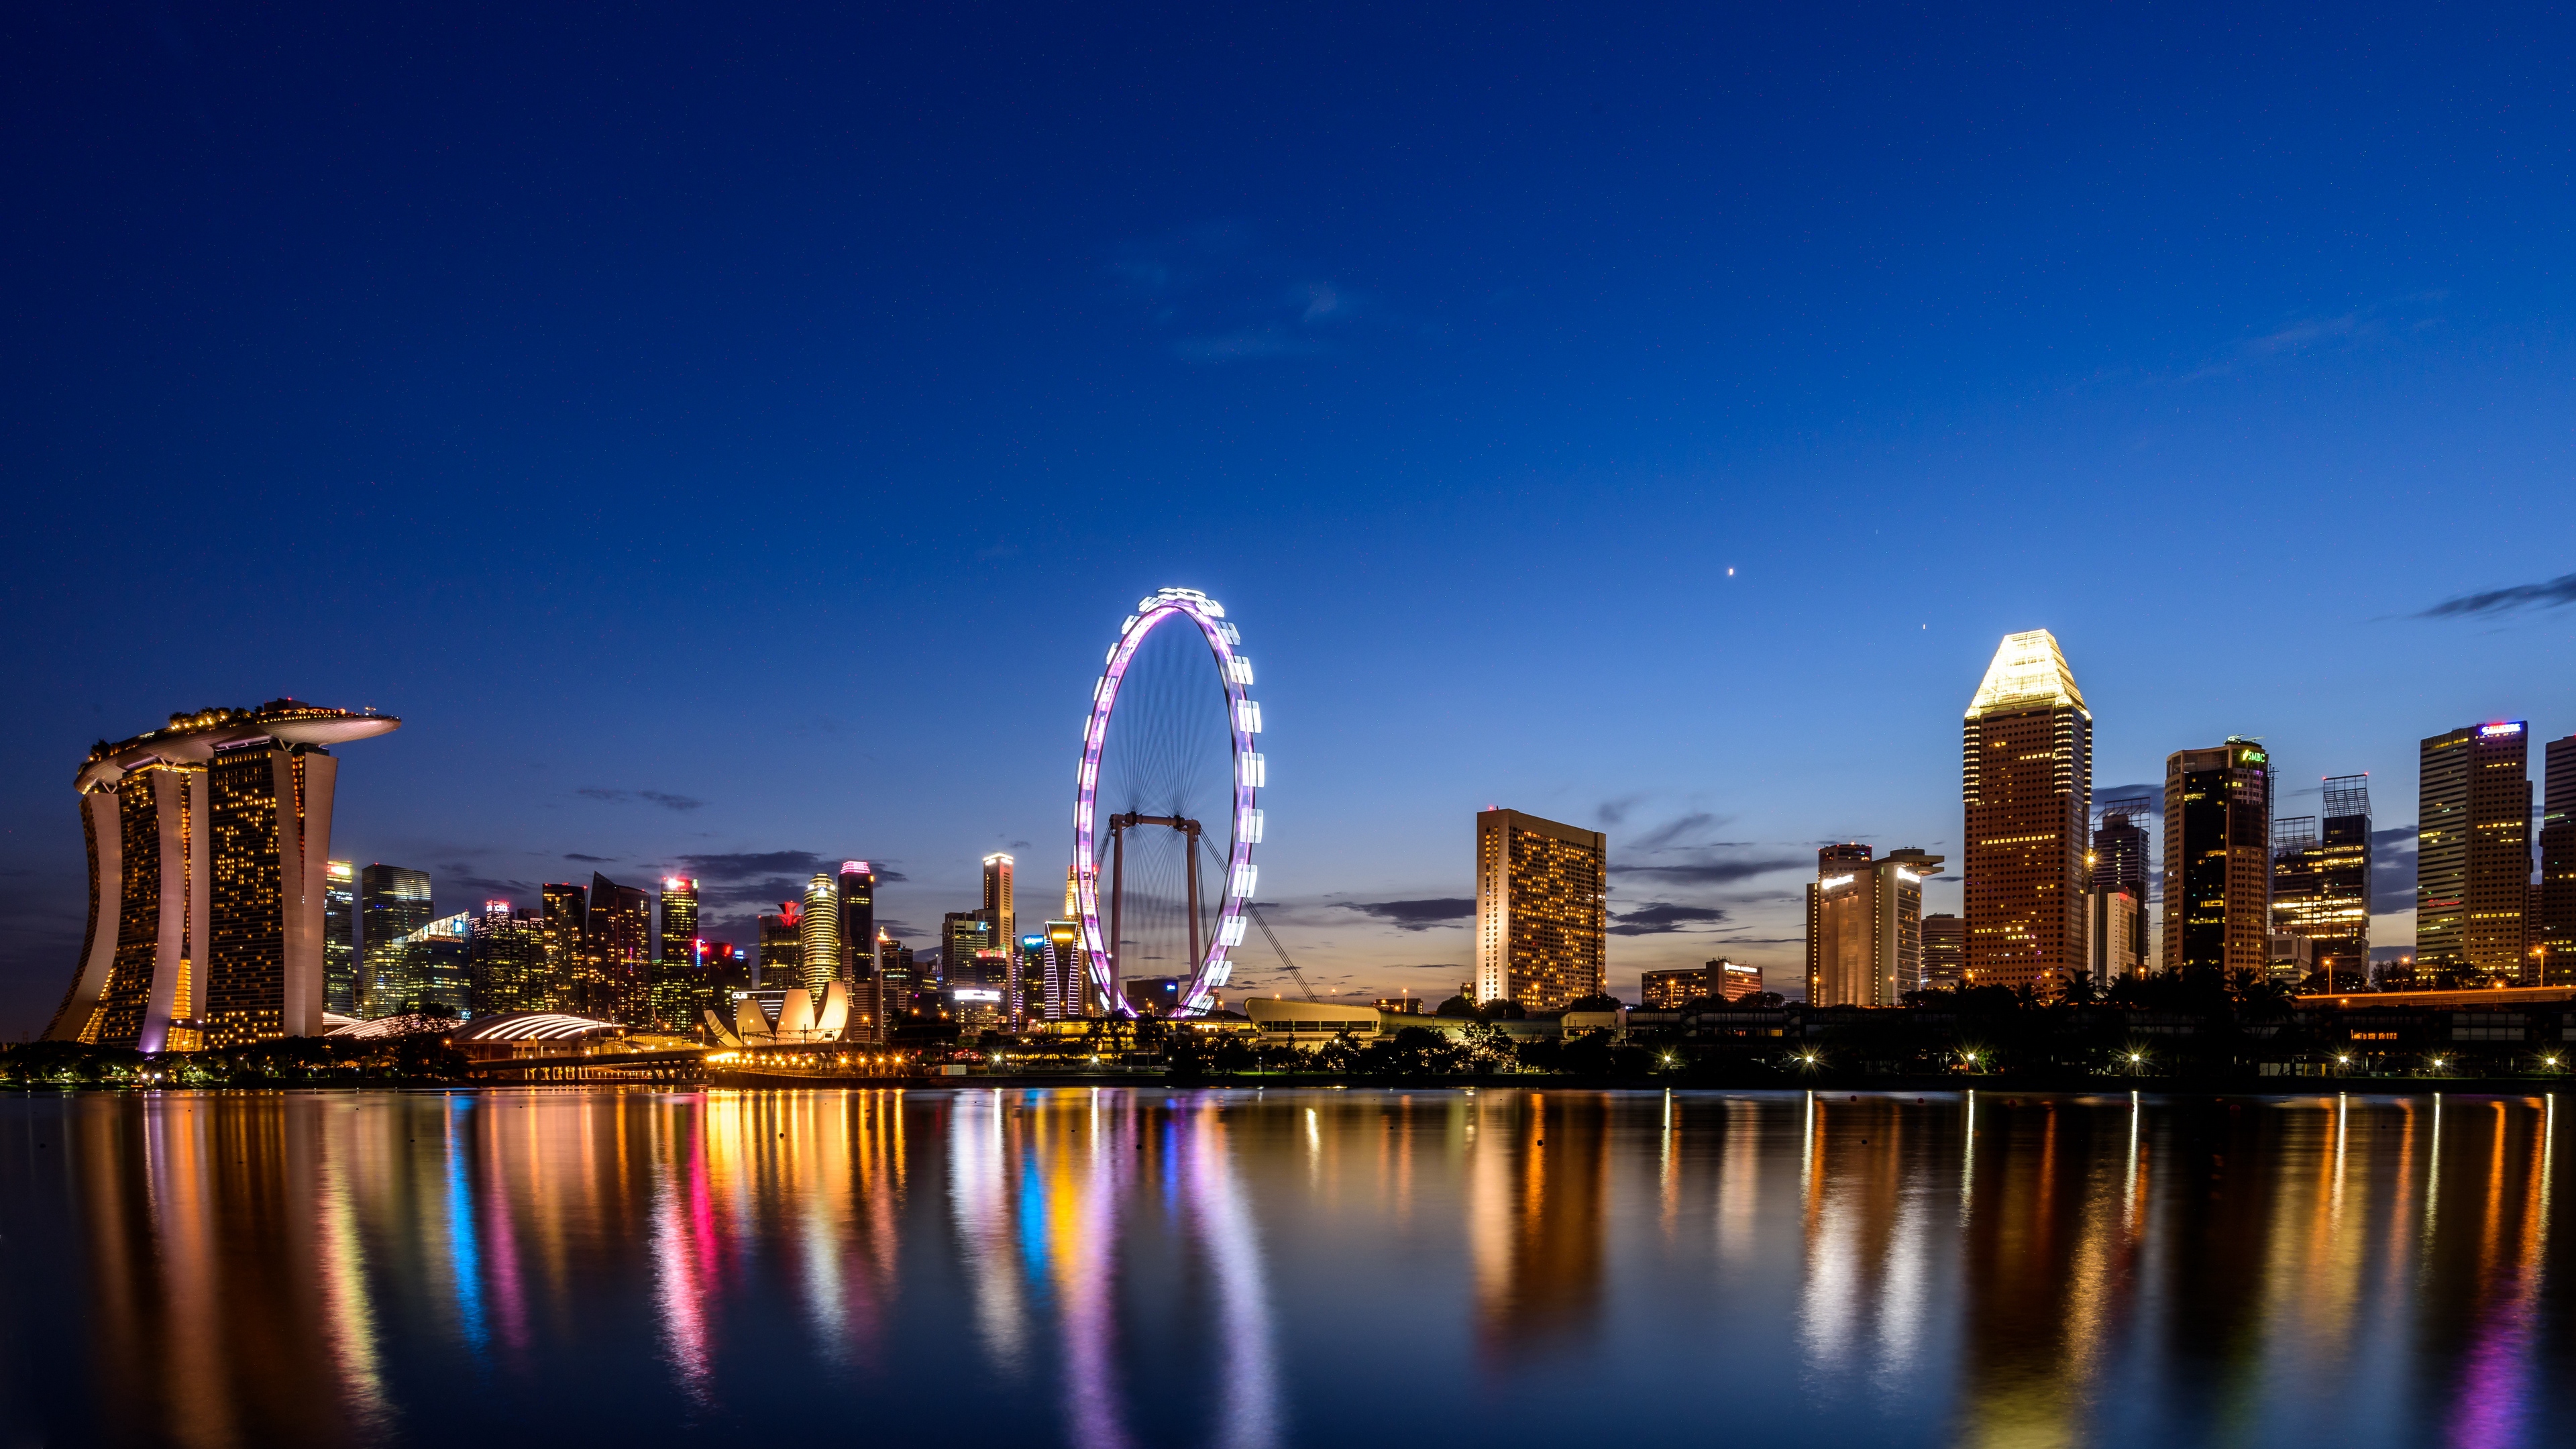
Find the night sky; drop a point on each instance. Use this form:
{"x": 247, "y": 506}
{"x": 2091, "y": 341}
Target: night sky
{"x": 730, "y": 436}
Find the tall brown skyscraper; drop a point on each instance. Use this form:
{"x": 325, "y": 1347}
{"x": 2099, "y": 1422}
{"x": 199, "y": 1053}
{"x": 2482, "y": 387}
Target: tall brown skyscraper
{"x": 2026, "y": 761}
{"x": 2218, "y": 859}
{"x": 208, "y": 875}
{"x": 1542, "y": 910}
{"x": 2473, "y": 851}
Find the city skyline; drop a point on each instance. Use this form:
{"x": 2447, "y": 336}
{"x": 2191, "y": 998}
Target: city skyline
{"x": 1622, "y": 321}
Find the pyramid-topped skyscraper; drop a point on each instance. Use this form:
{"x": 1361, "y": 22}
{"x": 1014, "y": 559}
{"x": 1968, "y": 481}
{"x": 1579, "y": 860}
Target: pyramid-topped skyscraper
{"x": 2026, "y": 765}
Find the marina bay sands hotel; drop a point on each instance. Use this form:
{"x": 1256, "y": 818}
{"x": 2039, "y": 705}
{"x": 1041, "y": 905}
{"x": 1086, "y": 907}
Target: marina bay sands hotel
{"x": 209, "y": 843}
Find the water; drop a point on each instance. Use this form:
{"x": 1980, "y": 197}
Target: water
{"x": 1119, "y": 1267}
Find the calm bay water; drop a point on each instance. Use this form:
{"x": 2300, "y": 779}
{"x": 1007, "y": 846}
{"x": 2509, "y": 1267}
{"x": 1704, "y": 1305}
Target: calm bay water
{"x": 1116, "y": 1267}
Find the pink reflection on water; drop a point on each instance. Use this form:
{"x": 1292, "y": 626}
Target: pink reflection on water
{"x": 683, "y": 1255}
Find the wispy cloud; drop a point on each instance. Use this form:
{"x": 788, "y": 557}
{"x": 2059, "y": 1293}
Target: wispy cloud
{"x": 2392, "y": 870}
{"x": 590, "y": 859}
{"x": 662, "y": 798}
{"x": 2557, "y": 593}
{"x": 1715, "y": 870}
{"x": 1220, "y": 292}
{"x": 1660, "y": 918}
{"x": 1416, "y": 915}
{"x": 2359, "y": 327}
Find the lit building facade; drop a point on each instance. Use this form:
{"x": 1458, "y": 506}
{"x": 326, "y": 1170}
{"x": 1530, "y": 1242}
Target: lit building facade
{"x": 1865, "y": 925}
{"x": 1542, "y": 911}
{"x": 437, "y": 966}
{"x": 1671, "y": 990}
{"x": 2554, "y": 926}
{"x": 2321, "y": 883}
{"x": 2122, "y": 858}
{"x": 1945, "y": 951}
{"x": 998, "y": 899}
{"x": 897, "y": 977}
{"x": 340, "y": 939}
{"x": 1070, "y": 996}
{"x": 2218, "y": 860}
{"x": 393, "y": 902}
{"x": 2473, "y": 851}
{"x": 617, "y": 952}
{"x": 679, "y": 941}
{"x": 565, "y": 914}
{"x": 1735, "y": 980}
{"x": 2115, "y": 934}
{"x": 782, "y": 952}
{"x": 818, "y": 934}
{"x": 858, "y": 923}
{"x": 505, "y": 961}
{"x": 207, "y": 886}
{"x": 2026, "y": 759}
{"x": 965, "y": 938}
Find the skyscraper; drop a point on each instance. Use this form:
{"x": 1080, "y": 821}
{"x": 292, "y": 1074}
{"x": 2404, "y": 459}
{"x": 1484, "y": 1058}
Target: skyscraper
{"x": 505, "y": 961}
{"x": 567, "y": 943}
{"x": 818, "y": 934}
{"x": 2218, "y": 860}
{"x": 1069, "y": 995}
{"x": 1865, "y": 925}
{"x": 998, "y": 900}
{"x": 2115, "y": 934}
{"x": 2321, "y": 882}
{"x": 206, "y": 905}
{"x": 2120, "y": 859}
{"x": 2473, "y": 852}
{"x": 782, "y": 950}
{"x": 2027, "y": 778}
{"x": 340, "y": 940}
{"x": 858, "y": 923}
{"x": 964, "y": 938}
{"x": 2555, "y": 932}
{"x": 393, "y": 902}
{"x": 617, "y": 952}
{"x": 1945, "y": 951}
{"x": 679, "y": 943}
{"x": 437, "y": 966}
{"x": 1542, "y": 910}
{"x": 894, "y": 977}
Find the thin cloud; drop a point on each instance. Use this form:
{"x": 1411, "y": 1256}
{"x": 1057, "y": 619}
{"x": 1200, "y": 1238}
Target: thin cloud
{"x": 1615, "y": 812}
{"x": 662, "y": 798}
{"x": 2557, "y": 593}
{"x": 1662, "y": 918}
{"x": 739, "y": 866}
{"x": 590, "y": 859}
{"x": 1416, "y": 915}
{"x": 1668, "y": 836}
{"x": 2392, "y": 870}
{"x": 1713, "y": 872}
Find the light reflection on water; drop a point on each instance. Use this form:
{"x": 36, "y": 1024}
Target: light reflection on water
{"x": 1119, "y": 1269}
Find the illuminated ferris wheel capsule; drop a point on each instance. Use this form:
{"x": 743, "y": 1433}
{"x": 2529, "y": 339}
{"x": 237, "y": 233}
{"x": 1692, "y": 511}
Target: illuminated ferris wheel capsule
{"x": 1210, "y": 965}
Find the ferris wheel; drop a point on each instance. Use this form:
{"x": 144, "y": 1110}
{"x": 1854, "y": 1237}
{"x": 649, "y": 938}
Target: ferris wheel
{"x": 1170, "y": 767}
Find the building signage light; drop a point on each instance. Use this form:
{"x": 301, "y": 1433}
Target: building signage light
{"x": 1906, "y": 875}
{"x": 2507, "y": 727}
{"x": 1832, "y": 881}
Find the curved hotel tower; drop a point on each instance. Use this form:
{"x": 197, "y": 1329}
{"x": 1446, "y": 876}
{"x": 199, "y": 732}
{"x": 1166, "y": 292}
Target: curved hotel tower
{"x": 209, "y": 847}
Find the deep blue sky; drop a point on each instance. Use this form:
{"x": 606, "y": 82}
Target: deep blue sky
{"x": 777, "y": 410}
